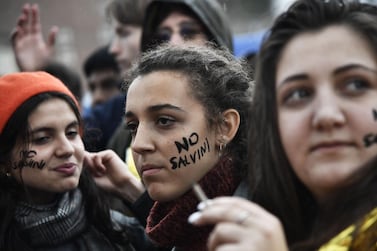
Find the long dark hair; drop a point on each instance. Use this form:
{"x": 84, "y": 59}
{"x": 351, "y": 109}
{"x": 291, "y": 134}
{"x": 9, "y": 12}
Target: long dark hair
{"x": 273, "y": 182}
{"x": 96, "y": 207}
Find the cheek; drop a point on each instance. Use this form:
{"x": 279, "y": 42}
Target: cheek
{"x": 79, "y": 151}
{"x": 294, "y": 133}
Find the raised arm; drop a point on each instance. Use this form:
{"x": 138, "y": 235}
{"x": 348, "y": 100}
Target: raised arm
{"x": 30, "y": 49}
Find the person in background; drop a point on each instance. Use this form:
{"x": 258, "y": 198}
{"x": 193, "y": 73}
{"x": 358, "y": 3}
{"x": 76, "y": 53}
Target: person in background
{"x": 185, "y": 22}
{"x": 103, "y": 80}
{"x": 126, "y": 17}
{"x": 312, "y": 144}
{"x": 48, "y": 200}
{"x": 102, "y": 75}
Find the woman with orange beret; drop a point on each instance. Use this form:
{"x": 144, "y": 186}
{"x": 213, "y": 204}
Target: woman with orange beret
{"x": 47, "y": 200}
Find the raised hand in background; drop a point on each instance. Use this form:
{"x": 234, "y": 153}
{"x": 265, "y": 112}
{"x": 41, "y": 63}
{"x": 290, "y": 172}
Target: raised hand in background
{"x": 31, "y": 51}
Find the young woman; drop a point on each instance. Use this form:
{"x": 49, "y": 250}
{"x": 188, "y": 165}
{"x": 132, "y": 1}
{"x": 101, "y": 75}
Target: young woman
{"x": 187, "y": 109}
{"x": 313, "y": 136}
{"x": 47, "y": 200}
{"x": 185, "y": 22}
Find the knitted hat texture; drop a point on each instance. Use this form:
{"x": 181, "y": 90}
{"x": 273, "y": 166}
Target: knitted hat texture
{"x": 16, "y": 88}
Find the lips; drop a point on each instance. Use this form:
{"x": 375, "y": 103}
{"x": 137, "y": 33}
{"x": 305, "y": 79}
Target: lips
{"x": 147, "y": 169}
{"x": 331, "y": 145}
{"x": 67, "y": 169}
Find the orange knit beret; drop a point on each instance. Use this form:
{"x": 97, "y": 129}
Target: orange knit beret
{"x": 16, "y": 88}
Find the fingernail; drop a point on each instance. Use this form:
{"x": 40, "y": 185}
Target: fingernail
{"x": 204, "y": 204}
{"x": 194, "y": 217}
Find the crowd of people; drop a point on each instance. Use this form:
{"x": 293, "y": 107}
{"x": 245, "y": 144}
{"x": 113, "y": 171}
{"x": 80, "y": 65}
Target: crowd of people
{"x": 283, "y": 150}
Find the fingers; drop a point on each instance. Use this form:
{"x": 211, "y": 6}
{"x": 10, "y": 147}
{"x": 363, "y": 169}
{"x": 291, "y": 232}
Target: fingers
{"x": 35, "y": 24}
{"x": 52, "y": 36}
{"x": 94, "y": 163}
{"x": 24, "y": 22}
{"x": 226, "y": 209}
{"x": 224, "y": 235}
{"x": 240, "y": 225}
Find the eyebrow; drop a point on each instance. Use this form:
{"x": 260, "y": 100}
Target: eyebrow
{"x": 192, "y": 23}
{"x": 295, "y": 77}
{"x": 354, "y": 66}
{"x": 339, "y": 70}
{"x": 50, "y": 129}
{"x": 155, "y": 108}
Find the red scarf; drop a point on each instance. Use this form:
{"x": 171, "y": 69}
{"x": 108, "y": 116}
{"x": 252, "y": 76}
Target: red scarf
{"x": 167, "y": 223}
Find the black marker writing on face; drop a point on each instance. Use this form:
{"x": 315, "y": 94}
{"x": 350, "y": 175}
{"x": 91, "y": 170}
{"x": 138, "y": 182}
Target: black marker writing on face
{"x": 371, "y": 138}
{"x": 26, "y": 160}
{"x": 190, "y": 158}
{"x": 187, "y": 142}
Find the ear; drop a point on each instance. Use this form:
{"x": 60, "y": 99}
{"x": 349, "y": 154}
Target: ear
{"x": 229, "y": 126}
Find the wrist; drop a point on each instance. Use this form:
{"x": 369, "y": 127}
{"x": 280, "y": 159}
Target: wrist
{"x": 131, "y": 189}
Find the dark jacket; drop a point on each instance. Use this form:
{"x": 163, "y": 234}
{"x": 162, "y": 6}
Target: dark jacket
{"x": 209, "y": 13}
{"x": 101, "y": 122}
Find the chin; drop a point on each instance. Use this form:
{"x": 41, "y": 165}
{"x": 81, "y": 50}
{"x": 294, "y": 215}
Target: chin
{"x": 69, "y": 186}
{"x": 161, "y": 195}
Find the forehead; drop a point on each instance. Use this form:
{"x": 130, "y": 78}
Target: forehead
{"x": 53, "y": 111}
{"x": 160, "y": 87}
{"x": 176, "y": 18}
{"x": 99, "y": 75}
{"x": 331, "y": 47}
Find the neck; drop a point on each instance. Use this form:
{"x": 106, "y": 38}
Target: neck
{"x": 37, "y": 196}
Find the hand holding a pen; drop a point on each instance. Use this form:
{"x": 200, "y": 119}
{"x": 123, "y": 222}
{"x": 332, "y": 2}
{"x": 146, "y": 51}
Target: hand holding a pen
{"x": 240, "y": 225}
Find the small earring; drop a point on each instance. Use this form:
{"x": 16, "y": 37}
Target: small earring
{"x": 221, "y": 148}
{"x": 8, "y": 174}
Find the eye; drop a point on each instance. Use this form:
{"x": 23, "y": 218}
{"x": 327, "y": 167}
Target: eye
{"x": 132, "y": 127}
{"x": 165, "y": 121}
{"x": 189, "y": 32}
{"x": 297, "y": 96}
{"x": 356, "y": 86}
{"x": 72, "y": 134}
{"x": 40, "y": 140}
{"x": 163, "y": 35}
{"x": 123, "y": 33}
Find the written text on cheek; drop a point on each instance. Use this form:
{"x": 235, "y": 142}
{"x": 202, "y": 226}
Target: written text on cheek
{"x": 189, "y": 157}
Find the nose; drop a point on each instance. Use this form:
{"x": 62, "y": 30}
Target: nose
{"x": 142, "y": 141}
{"x": 114, "y": 46}
{"x": 328, "y": 113}
{"x": 64, "y": 147}
{"x": 176, "y": 39}
{"x": 98, "y": 97}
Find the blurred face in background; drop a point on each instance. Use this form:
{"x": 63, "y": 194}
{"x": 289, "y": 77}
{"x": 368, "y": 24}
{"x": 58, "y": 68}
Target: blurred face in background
{"x": 180, "y": 29}
{"x": 103, "y": 85}
{"x": 125, "y": 45}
